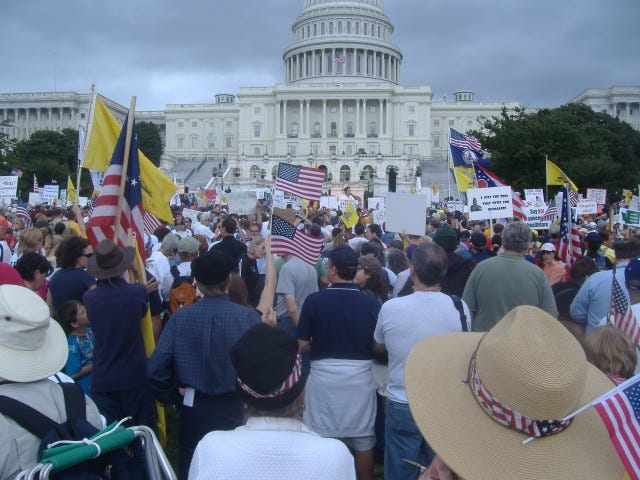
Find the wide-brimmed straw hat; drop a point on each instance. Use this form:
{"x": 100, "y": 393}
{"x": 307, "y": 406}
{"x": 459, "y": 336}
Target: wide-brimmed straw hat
{"x": 110, "y": 260}
{"x": 528, "y": 363}
{"x": 32, "y": 345}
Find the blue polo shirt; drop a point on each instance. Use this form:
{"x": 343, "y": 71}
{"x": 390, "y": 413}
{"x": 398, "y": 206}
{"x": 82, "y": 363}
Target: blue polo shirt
{"x": 339, "y": 322}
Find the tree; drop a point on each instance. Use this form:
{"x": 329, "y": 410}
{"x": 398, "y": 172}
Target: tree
{"x": 150, "y": 141}
{"x": 593, "y": 149}
{"x": 6, "y": 143}
{"x": 51, "y": 156}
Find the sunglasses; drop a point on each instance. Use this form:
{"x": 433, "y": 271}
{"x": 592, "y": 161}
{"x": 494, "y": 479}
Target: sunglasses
{"x": 88, "y": 255}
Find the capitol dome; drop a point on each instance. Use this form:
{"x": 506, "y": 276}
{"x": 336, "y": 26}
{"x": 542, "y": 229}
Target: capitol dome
{"x": 337, "y": 41}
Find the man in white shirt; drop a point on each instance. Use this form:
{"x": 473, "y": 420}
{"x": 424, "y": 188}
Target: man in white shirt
{"x": 204, "y": 228}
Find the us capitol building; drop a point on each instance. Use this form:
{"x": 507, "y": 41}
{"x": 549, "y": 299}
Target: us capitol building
{"x": 341, "y": 107}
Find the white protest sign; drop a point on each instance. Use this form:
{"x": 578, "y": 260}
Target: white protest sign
{"x": 49, "y": 193}
{"x": 635, "y": 203}
{"x": 455, "y": 205}
{"x": 328, "y": 202}
{"x": 586, "y": 207}
{"x": 597, "y": 194}
{"x": 406, "y": 212}
{"x": 487, "y": 203}
{"x": 82, "y": 201}
{"x": 191, "y": 213}
{"x": 242, "y": 202}
{"x": 534, "y": 196}
{"x": 63, "y": 197}
{"x": 8, "y": 186}
{"x": 534, "y": 217}
{"x": 34, "y": 199}
{"x": 378, "y": 206}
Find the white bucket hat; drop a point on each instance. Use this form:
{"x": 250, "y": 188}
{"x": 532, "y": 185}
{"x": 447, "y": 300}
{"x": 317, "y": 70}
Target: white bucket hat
{"x": 32, "y": 345}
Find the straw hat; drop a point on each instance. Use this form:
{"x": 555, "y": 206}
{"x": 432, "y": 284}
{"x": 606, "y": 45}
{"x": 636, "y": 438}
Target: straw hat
{"x": 32, "y": 345}
{"x": 532, "y": 365}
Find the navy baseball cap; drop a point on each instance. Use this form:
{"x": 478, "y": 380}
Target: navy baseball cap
{"x": 632, "y": 274}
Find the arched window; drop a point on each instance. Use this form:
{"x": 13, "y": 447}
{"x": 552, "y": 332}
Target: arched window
{"x": 339, "y": 27}
{"x": 294, "y": 129}
{"x": 373, "y": 129}
{"x": 254, "y": 171}
{"x": 316, "y": 129}
{"x": 348, "y": 26}
{"x": 357, "y": 28}
{"x": 315, "y": 29}
{"x": 330, "y": 27}
{"x": 349, "y": 129}
{"x": 369, "y": 171}
{"x": 366, "y": 28}
{"x": 345, "y": 173}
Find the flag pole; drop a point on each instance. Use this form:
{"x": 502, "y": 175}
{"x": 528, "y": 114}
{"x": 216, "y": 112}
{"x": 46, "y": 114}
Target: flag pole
{"x": 125, "y": 166}
{"x": 83, "y": 148}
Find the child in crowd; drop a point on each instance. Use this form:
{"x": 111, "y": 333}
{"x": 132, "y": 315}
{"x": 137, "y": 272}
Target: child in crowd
{"x": 611, "y": 350}
{"x": 73, "y": 318}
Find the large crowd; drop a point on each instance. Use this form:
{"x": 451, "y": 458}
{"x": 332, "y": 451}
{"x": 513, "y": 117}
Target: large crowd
{"x": 416, "y": 352}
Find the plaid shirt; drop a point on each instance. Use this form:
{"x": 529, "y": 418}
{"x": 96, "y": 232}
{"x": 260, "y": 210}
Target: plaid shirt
{"x": 193, "y": 349}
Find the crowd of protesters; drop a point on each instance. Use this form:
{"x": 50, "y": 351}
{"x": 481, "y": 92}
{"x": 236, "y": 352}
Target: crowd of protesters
{"x": 324, "y": 360}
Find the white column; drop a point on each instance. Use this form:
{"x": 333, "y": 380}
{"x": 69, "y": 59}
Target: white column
{"x": 308, "y": 116}
{"x": 364, "y": 116}
{"x": 324, "y": 119}
{"x": 277, "y": 113}
{"x": 388, "y": 112}
{"x": 334, "y": 65}
{"x": 284, "y": 119}
{"x": 380, "y": 129}
{"x": 313, "y": 63}
{"x": 340, "y": 131}
{"x": 357, "y": 116}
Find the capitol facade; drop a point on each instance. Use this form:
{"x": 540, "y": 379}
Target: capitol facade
{"x": 341, "y": 107}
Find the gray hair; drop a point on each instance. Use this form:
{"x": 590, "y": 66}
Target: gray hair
{"x": 170, "y": 243}
{"x": 516, "y": 237}
{"x": 204, "y": 217}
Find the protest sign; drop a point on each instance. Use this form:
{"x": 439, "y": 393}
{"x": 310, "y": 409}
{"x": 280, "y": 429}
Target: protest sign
{"x": 242, "y": 202}
{"x": 630, "y": 217}
{"x": 191, "y": 213}
{"x": 8, "y": 186}
{"x": 406, "y": 212}
{"x": 377, "y": 205}
{"x": 534, "y": 196}
{"x": 50, "y": 193}
{"x": 328, "y": 202}
{"x": 34, "y": 199}
{"x": 534, "y": 215}
{"x": 488, "y": 203}
{"x": 597, "y": 194}
{"x": 586, "y": 206}
{"x": 455, "y": 205}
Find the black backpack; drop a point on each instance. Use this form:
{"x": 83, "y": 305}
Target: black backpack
{"x": 76, "y": 427}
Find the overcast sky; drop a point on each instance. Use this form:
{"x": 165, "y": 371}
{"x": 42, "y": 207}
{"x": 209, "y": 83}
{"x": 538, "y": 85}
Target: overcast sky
{"x": 540, "y": 53}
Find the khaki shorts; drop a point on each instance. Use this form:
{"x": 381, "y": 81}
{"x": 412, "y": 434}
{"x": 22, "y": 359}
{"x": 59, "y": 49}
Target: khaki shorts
{"x": 359, "y": 444}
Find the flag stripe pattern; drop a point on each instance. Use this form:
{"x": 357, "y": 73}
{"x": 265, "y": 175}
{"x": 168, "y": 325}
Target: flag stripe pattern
{"x": 623, "y": 316}
{"x": 22, "y": 213}
{"x": 151, "y": 222}
{"x": 464, "y": 141}
{"x": 550, "y": 215}
{"x": 488, "y": 179}
{"x": 102, "y": 222}
{"x": 305, "y": 182}
{"x": 286, "y": 238}
{"x": 36, "y": 189}
{"x": 570, "y": 249}
{"x": 620, "y": 412}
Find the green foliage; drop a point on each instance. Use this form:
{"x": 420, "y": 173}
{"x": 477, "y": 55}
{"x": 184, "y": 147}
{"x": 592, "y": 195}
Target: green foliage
{"x": 52, "y": 156}
{"x": 6, "y": 143}
{"x": 593, "y": 149}
{"x": 150, "y": 141}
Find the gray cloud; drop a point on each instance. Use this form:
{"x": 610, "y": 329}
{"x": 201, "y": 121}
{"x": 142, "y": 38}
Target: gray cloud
{"x": 539, "y": 53}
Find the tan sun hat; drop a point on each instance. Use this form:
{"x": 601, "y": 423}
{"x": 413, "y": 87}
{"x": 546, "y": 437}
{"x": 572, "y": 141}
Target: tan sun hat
{"x": 532, "y": 365}
{"x": 32, "y": 345}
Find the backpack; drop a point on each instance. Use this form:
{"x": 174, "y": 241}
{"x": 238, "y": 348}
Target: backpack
{"x": 76, "y": 427}
{"x": 183, "y": 291}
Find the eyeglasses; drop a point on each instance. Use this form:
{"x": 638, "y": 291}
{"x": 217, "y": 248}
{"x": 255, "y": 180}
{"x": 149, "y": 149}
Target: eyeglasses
{"x": 88, "y": 255}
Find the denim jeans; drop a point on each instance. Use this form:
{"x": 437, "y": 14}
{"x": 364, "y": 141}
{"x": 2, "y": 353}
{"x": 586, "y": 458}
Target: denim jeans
{"x": 403, "y": 440}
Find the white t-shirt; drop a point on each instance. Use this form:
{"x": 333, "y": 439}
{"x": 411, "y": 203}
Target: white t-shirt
{"x": 158, "y": 266}
{"x": 405, "y": 321}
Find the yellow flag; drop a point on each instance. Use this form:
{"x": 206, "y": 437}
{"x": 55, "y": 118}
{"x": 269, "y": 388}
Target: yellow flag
{"x": 350, "y": 216}
{"x": 555, "y": 176}
{"x": 157, "y": 188}
{"x": 72, "y": 196}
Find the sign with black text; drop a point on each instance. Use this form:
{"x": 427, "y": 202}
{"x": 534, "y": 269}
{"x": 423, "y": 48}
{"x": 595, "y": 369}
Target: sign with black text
{"x": 487, "y": 203}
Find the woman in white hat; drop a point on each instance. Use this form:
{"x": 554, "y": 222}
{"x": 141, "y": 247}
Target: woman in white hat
{"x": 552, "y": 267}
{"x": 529, "y": 367}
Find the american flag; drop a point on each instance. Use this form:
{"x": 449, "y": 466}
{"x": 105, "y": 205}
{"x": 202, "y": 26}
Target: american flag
{"x": 340, "y": 58}
{"x": 488, "y": 179}
{"x": 36, "y": 189}
{"x": 16, "y": 172}
{"x": 460, "y": 140}
{"x": 151, "y": 222}
{"x": 286, "y": 238}
{"x": 569, "y": 249}
{"x": 102, "y": 222}
{"x": 573, "y": 198}
{"x": 550, "y": 215}
{"x": 623, "y": 316}
{"x": 619, "y": 409}
{"x": 23, "y": 213}
{"x": 305, "y": 182}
